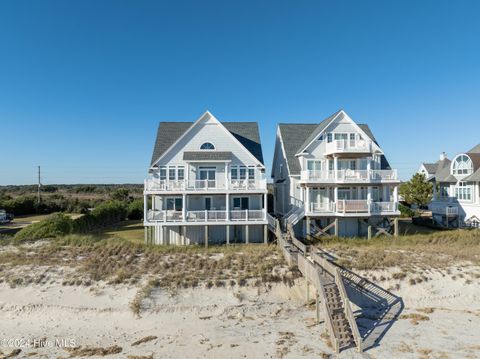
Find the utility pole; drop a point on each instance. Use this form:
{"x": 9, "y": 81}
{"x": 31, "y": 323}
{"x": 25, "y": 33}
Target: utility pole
{"x": 39, "y": 184}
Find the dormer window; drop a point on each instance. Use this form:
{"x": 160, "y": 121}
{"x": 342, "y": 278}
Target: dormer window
{"x": 207, "y": 146}
{"x": 462, "y": 165}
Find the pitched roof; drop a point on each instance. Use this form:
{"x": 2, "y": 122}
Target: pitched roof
{"x": 431, "y": 167}
{"x": 295, "y": 136}
{"x": 207, "y": 155}
{"x": 442, "y": 174}
{"x": 320, "y": 127}
{"x": 245, "y": 132}
{"x": 475, "y": 149}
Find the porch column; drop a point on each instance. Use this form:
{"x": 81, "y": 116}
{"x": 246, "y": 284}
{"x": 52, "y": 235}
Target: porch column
{"x": 335, "y": 166}
{"x": 246, "y": 234}
{"x": 307, "y": 202}
{"x": 265, "y": 234}
{"x": 369, "y": 166}
{"x": 307, "y": 232}
{"x": 187, "y": 173}
{"x": 184, "y": 235}
{"x": 265, "y": 206}
{"x": 145, "y": 208}
{"x": 335, "y": 195}
{"x": 184, "y": 207}
{"x": 164, "y": 235}
{"x": 434, "y": 198}
{"x": 228, "y": 234}
{"x": 206, "y": 236}
{"x": 227, "y": 206}
{"x": 226, "y": 175}
{"x": 395, "y": 197}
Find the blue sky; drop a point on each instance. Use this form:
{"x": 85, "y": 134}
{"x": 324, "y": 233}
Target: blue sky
{"x": 83, "y": 84}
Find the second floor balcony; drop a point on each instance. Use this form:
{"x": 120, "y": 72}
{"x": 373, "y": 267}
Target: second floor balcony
{"x": 349, "y": 176}
{"x": 155, "y": 184}
{"x": 203, "y": 216}
{"x": 348, "y": 146}
{"x": 353, "y": 207}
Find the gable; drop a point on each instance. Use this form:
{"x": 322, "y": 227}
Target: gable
{"x": 174, "y": 137}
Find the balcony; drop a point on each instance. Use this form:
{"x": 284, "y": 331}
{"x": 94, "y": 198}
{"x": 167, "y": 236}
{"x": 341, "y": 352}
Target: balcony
{"x": 154, "y": 184}
{"x": 354, "y": 207}
{"x": 349, "y": 176}
{"x": 348, "y": 146}
{"x": 203, "y": 216}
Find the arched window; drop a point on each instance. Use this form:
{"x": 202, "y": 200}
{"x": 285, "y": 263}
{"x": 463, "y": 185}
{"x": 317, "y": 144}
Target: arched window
{"x": 207, "y": 146}
{"x": 462, "y": 165}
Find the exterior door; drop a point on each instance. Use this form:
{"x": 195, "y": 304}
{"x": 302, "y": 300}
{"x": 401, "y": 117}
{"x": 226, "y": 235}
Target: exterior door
{"x": 208, "y": 203}
{"x": 207, "y": 176}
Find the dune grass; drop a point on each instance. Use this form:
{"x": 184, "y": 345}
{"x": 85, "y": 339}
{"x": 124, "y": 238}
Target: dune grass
{"x": 436, "y": 249}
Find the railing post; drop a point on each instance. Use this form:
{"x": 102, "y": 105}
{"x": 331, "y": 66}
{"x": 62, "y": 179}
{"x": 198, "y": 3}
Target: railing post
{"x": 165, "y": 215}
{"x": 206, "y": 216}
{"x": 246, "y": 214}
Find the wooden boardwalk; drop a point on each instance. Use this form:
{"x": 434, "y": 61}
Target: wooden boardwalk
{"x": 326, "y": 278}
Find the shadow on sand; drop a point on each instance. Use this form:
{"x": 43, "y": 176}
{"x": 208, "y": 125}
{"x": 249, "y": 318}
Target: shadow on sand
{"x": 378, "y": 308}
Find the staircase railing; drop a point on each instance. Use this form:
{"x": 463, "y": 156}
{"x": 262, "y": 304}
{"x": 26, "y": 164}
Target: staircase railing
{"x": 348, "y": 309}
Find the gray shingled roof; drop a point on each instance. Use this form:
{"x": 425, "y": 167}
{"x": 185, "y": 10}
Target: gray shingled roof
{"x": 207, "y": 156}
{"x": 475, "y": 149}
{"x": 245, "y": 132}
{"x": 296, "y": 136}
{"x": 293, "y": 137}
{"x": 320, "y": 127}
{"x": 442, "y": 173}
{"x": 431, "y": 167}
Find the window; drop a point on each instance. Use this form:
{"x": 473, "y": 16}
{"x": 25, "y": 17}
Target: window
{"x": 353, "y": 164}
{"x": 444, "y": 190}
{"x": 329, "y": 137}
{"x": 243, "y": 172}
{"x": 171, "y": 173}
{"x": 463, "y": 191}
{"x": 240, "y": 203}
{"x": 352, "y": 137}
{"x": 341, "y": 136}
{"x": 251, "y": 173}
{"x": 462, "y": 165}
{"x": 163, "y": 173}
{"x": 207, "y": 146}
{"x": 181, "y": 173}
{"x": 321, "y": 137}
{"x": 234, "y": 173}
{"x": 174, "y": 203}
{"x": 314, "y": 165}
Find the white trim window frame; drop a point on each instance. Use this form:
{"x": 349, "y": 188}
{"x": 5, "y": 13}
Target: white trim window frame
{"x": 462, "y": 165}
{"x": 463, "y": 191}
{"x": 207, "y": 146}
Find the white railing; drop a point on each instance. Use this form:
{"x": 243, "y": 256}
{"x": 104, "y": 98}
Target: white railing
{"x": 156, "y": 184}
{"x": 347, "y": 175}
{"x": 165, "y": 216}
{"x": 322, "y": 207}
{"x": 247, "y": 215}
{"x": 448, "y": 211}
{"x": 379, "y": 207}
{"x": 242, "y": 184}
{"x": 203, "y": 184}
{"x": 349, "y": 146}
{"x": 383, "y": 175}
{"x": 317, "y": 175}
{"x": 353, "y": 175}
{"x": 353, "y": 206}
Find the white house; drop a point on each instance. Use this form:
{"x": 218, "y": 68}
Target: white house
{"x": 456, "y": 196}
{"x": 430, "y": 169}
{"x": 206, "y": 184}
{"x": 333, "y": 177}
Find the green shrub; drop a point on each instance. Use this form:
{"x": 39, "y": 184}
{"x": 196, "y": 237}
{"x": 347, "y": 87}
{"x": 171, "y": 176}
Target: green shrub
{"x": 406, "y": 211}
{"x": 55, "y": 225}
{"x": 135, "y": 209}
{"x": 101, "y": 216}
{"x": 20, "y": 205}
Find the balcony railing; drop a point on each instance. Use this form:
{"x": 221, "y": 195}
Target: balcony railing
{"x": 349, "y": 175}
{"x": 154, "y": 184}
{"x": 353, "y": 206}
{"x": 348, "y": 146}
{"x": 206, "y": 215}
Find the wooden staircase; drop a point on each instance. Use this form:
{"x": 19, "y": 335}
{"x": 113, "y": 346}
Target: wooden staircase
{"x": 341, "y": 326}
